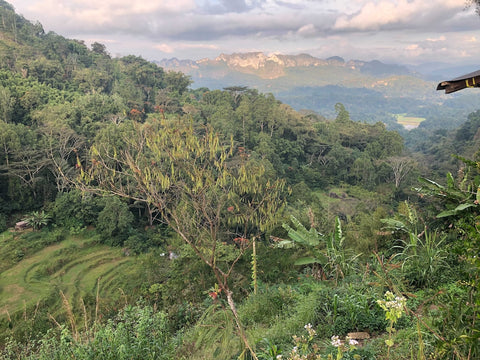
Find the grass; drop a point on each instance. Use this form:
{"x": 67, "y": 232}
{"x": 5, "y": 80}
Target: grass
{"x": 73, "y": 266}
{"x": 409, "y": 122}
{"x": 346, "y": 200}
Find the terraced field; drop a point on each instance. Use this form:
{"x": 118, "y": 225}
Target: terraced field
{"x": 73, "y": 266}
{"x": 409, "y": 122}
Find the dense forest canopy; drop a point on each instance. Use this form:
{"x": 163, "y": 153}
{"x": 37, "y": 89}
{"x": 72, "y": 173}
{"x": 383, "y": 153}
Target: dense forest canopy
{"x": 230, "y": 222}
{"x": 59, "y": 97}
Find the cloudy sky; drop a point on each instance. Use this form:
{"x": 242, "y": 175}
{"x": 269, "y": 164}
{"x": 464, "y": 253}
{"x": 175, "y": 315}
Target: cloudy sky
{"x": 400, "y": 31}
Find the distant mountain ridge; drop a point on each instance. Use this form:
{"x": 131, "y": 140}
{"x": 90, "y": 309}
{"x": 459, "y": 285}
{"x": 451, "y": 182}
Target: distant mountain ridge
{"x": 370, "y": 90}
{"x": 274, "y": 65}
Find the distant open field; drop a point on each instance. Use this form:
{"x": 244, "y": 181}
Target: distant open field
{"x": 409, "y": 122}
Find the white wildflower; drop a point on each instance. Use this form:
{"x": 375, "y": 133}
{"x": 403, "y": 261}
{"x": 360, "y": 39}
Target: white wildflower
{"x": 311, "y": 331}
{"x": 352, "y": 342}
{"x": 336, "y": 341}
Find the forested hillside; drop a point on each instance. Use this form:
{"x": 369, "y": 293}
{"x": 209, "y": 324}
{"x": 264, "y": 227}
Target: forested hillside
{"x": 371, "y": 90}
{"x": 165, "y": 222}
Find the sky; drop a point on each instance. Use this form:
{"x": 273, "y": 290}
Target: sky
{"x": 393, "y": 31}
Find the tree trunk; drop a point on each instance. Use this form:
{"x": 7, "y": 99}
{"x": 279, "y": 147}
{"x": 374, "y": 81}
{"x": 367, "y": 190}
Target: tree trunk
{"x": 231, "y": 303}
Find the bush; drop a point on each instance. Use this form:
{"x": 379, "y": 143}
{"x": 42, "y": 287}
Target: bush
{"x": 350, "y": 308}
{"x": 143, "y": 241}
{"x": 114, "y": 222}
{"x": 137, "y": 332}
{"x": 75, "y": 209}
{"x": 269, "y": 303}
{"x": 3, "y": 223}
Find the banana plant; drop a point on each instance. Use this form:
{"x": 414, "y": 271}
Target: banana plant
{"x": 328, "y": 252}
{"x": 456, "y": 197}
{"x": 308, "y": 239}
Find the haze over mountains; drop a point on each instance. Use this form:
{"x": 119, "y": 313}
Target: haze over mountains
{"x": 275, "y": 65}
{"x": 371, "y": 90}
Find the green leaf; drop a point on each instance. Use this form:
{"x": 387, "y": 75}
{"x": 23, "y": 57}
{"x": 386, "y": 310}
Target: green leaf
{"x": 431, "y": 182}
{"x": 307, "y": 261}
{"x": 389, "y": 342}
{"x": 464, "y": 206}
{"x": 287, "y": 244}
{"x": 455, "y": 211}
{"x": 301, "y": 235}
{"x": 394, "y": 224}
{"x": 450, "y": 180}
{"x": 446, "y": 213}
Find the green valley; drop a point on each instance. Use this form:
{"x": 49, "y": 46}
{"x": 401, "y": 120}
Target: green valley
{"x": 162, "y": 219}
{"x": 371, "y": 90}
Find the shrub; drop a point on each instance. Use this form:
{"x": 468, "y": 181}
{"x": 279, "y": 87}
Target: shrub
{"x": 37, "y": 219}
{"x": 137, "y": 332}
{"x": 75, "y": 209}
{"x": 143, "y": 241}
{"x": 3, "y": 222}
{"x": 267, "y": 304}
{"x": 114, "y": 221}
{"x": 349, "y": 308}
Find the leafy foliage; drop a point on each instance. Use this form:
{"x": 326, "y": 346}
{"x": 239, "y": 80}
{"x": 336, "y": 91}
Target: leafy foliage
{"x": 37, "y": 219}
{"x": 114, "y": 221}
{"x": 137, "y": 332}
{"x": 212, "y": 167}
{"x": 75, "y": 209}
{"x": 335, "y": 261}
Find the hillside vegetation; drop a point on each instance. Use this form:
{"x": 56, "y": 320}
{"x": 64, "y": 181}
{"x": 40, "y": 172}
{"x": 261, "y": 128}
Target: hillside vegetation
{"x": 166, "y": 222}
{"x": 371, "y": 90}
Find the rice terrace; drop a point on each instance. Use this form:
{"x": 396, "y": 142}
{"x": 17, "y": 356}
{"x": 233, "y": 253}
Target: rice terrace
{"x": 171, "y": 209}
{"x": 409, "y": 122}
{"x": 73, "y": 266}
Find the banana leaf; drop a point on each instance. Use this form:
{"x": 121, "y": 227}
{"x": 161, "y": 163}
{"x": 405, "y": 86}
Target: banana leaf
{"x": 455, "y": 211}
{"x": 311, "y": 260}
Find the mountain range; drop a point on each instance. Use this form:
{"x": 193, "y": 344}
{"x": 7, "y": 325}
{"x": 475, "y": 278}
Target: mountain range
{"x": 371, "y": 90}
{"x": 275, "y": 65}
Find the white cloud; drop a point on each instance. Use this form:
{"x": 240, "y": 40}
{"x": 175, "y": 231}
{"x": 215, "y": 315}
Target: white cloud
{"x": 440, "y": 38}
{"x": 111, "y": 8}
{"x": 102, "y": 15}
{"x": 451, "y": 48}
{"x": 181, "y": 46}
{"x": 375, "y": 15}
{"x": 307, "y": 30}
{"x": 353, "y": 29}
{"x": 165, "y": 48}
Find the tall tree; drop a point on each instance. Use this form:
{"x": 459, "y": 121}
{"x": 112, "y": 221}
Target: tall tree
{"x": 205, "y": 193}
{"x": 61, "y": 143}
{"x": 343, "y": 116}
{"x": 401, "y": 167}
{"x": 6, "y": 104}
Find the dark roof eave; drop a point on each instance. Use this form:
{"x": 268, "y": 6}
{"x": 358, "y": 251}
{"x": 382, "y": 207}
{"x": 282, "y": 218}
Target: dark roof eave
{"x": 461, "y": 82}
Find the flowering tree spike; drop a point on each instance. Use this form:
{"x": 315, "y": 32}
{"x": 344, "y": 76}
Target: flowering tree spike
{"x": 198, "y": 186}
